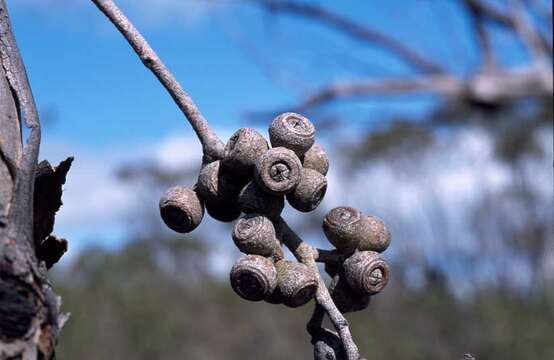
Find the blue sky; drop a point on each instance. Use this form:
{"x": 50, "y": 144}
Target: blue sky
{"x": 86, "y": 78}
{"x": 99, "y": 103}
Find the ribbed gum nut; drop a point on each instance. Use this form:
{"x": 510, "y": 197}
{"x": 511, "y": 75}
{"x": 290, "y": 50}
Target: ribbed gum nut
{"x": 378, "y": 238}
{"x": 309, "y": 192}
{"x": 181, "y": 209}
{"x": 255, "y": 234}
{"x": 296, "y": 284}
{"x": 344, "y": 227}
{"x": 218, "y": 192}
{"x": 366, "y": 272}
{"x": 278, "y": 171}
{"x": 345, "y": 298}
{"x": 316, "y": 159}
{"x": 242, "y": 150}
{"x": 253, "y": 277}
{"x": 253, "y": 200}
{"x": 293, "y": 131}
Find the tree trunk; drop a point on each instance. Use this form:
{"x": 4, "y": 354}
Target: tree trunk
{"x": 30, "y": 194}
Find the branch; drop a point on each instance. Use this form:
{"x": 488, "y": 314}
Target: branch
{"x": 355, "y": 30}
{"x": 327, "y": 256}
{"x": 305, "y": 254}
{"x": 483, "y": 38}
{"x": 443, "y": 84}
{"x": 21, "y": 214}
{"x": 211, "y": 144}
{"x": 497, "y": 87}
{"x": 531, "y": 38}
{"x": 507, "y": 20}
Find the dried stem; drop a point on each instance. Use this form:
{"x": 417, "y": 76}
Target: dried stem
{"x": 355, "y": 30}
{"x": 213, "y": 149}
{"x": 211, "y": 144}
{"x": 305, "y": 254}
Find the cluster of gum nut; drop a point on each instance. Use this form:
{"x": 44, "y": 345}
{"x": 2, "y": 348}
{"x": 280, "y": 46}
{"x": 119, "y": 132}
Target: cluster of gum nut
{"x": 254, "y": 179}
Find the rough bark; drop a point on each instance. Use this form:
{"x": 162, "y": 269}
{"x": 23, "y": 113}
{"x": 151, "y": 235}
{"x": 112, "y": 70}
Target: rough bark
{"x": 29, "y": 310}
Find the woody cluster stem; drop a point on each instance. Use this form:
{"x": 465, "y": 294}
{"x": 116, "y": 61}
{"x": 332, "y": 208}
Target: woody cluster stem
{"x": 246, "y": 176}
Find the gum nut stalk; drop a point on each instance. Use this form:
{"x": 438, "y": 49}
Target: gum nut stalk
{"x": 378, "y": 238}
{"x": 296, "y": 284}
{"x": 309, "y": 192}
{"x": 345, "y": 298}
{"x": 345, "y": 227}
{"x": 316, "y": 159}
{"x": 242, "y": 150}
{"x": 255, "y": 234}
{"x": 366, "y": 272}
{"x": 293, "y": 131}
{"x": 252, "y": 199}
{"x": 253, "y": 277}
{"x": 219, "y": 193}
{"x": 277, "y": 171}
{"x": 181, "y": 209}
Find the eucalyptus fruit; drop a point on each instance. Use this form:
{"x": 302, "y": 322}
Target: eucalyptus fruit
{"x": 292, "y": 131}
{"x": 296, "y": 284}
{"x": 220, "y": 194}
{"x": 252, "y": 199}
{"x": 278, "y": 171}
{"x": 181, "y": 209}
{"x": 242, "y": 150}
{"x": 310, "y": 191}
{"x": 345, "y": 227}
{"x": 252, "y": 179}
{"x": 316, "y": 159}
{"x": 366, "y": 272}
{"x": 346, "y": 299}
{"x": 378, "y": 238}
{"x": 253, "y": 277}
{"x": 255, "y": 234}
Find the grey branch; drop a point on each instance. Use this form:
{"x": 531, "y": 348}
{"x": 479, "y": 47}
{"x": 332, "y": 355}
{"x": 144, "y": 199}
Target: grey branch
{"x": 21, "y": 215}
{"x": 497, "y": 16}
{"x": 355, "y": 30}
{"x": 305, "y": 254}
{"x": 483, "y": 38}
{"x": 211, "y": 144}
{"x": 496, "y": 87}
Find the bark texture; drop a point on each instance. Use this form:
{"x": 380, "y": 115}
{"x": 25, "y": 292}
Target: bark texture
{"x": 29, "y": 310}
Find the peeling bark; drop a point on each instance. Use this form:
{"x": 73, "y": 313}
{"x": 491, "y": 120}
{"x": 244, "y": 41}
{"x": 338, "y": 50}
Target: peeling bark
{"x": 29, "y": 310}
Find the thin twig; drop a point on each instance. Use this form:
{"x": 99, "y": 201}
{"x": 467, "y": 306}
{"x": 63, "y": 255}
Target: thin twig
{"x": 305, "y": 254}
{"x": 327, "y": 256}
{"x": 358, "y": 31}
{"x": 489, "y": 61}
{"x": 211, "y": 144}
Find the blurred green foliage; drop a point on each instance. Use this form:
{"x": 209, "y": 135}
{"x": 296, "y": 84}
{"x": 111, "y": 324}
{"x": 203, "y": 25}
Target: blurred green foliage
{"x": 139, "y": 303}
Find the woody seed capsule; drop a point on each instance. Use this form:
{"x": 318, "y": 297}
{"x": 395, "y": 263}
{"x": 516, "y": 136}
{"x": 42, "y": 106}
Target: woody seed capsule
{"x": 316, "y": 158}
{"x": 345, "y": 298}
{"x": 293, "y": 131}
{"x": 378, "y": 238}
{"x": 219, "y": 193}
{"x": 242, "y": 150}
{"x": 253, "y": 277}
{"x": 296, "y": 284}
{"x": 309, "y": 192}
{"x": 252, "y": 199}
{"x": 345, "y": 227}
{"x": 181, "y": 209}
{"x": 366, "y": 272}
{"x": 255, "y": 234}
{"x": 278, "y": 171}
